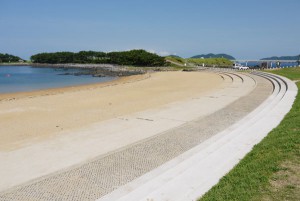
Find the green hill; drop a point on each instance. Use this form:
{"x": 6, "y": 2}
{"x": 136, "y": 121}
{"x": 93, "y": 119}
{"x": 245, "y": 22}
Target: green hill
{"x": 210, "y": 55}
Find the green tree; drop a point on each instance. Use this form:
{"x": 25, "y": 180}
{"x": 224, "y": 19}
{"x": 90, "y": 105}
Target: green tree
{"x": 132, "y": 57}
{"x": 5, "y": 58}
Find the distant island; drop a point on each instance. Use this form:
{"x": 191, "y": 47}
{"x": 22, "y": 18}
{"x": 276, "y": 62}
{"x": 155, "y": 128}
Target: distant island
{"x": 210, "y": 55}
{"x": 282, "y": 58}
{"x": 130, "y": 58}
{"x": 7, "y": 58}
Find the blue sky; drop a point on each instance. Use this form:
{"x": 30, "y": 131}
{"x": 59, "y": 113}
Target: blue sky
{"x": 246, "y": 29}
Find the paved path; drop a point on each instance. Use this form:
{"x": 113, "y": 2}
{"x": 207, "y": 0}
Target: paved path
{"x": 193, "y": 173}
{"x": 130, "y": 161}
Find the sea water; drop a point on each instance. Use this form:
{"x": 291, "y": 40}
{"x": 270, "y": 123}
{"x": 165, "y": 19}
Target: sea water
{"x": 27, "y": 78}
{"x": 282, "y": 64}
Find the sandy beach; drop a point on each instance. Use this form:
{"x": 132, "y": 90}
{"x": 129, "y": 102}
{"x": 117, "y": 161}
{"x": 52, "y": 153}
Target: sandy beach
{"x": 27, "y": 118}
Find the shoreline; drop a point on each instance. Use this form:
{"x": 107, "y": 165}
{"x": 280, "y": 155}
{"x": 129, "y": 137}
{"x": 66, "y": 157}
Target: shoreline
{"x": 15, "y": 64}
{"x": 74, "y": 88}
{"x": 104, "y": 137}
{"x": 42, "y": 115}
{"x": 96, "y": 70}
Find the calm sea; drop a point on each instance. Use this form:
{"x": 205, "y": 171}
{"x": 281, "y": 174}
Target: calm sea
{"x": 27, "y": 78}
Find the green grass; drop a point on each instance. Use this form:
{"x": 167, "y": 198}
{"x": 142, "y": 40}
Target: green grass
{"x": 177, "y": 60}
{"x": 271, "y": 170}
{"x": 218, "y": 62}
{"x": 222, "y": 62}
{"x": 291, "y": 73}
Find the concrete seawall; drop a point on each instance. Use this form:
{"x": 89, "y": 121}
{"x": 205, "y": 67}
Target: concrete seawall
{"x": 184, "y": 147}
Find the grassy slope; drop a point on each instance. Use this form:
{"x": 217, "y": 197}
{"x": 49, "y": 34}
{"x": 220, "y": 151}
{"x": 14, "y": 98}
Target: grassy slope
{"x": 208, "y": 62}
{"x": 211, "y": 61}
{"x": 291, "y": 73}
{"x": 177, "y": 60}
{"x": 271, "y": 170}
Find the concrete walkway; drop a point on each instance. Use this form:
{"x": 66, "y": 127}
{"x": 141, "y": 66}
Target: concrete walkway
{"x": 92, "y": 163}
{"x": 192, "y": 174}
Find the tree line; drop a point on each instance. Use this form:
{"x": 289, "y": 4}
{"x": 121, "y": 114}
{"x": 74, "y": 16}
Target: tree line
{"x": 131, "y": 58}
{"x": 6, "y": 58}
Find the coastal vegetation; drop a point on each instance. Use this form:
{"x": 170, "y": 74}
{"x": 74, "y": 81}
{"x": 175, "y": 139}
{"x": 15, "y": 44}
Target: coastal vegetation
{"x": 7, "y": 58}
{"x": 217, "y": 62}
{"x": 175, "y": 59}
{"x": 172, "y": 55}
{"x": 221, "y": 62}
{"x": 291, "y": 73}
{"x": 140, "y": 58}
{"x": 271, "y": 170}
{"x": 131, "y": 58}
